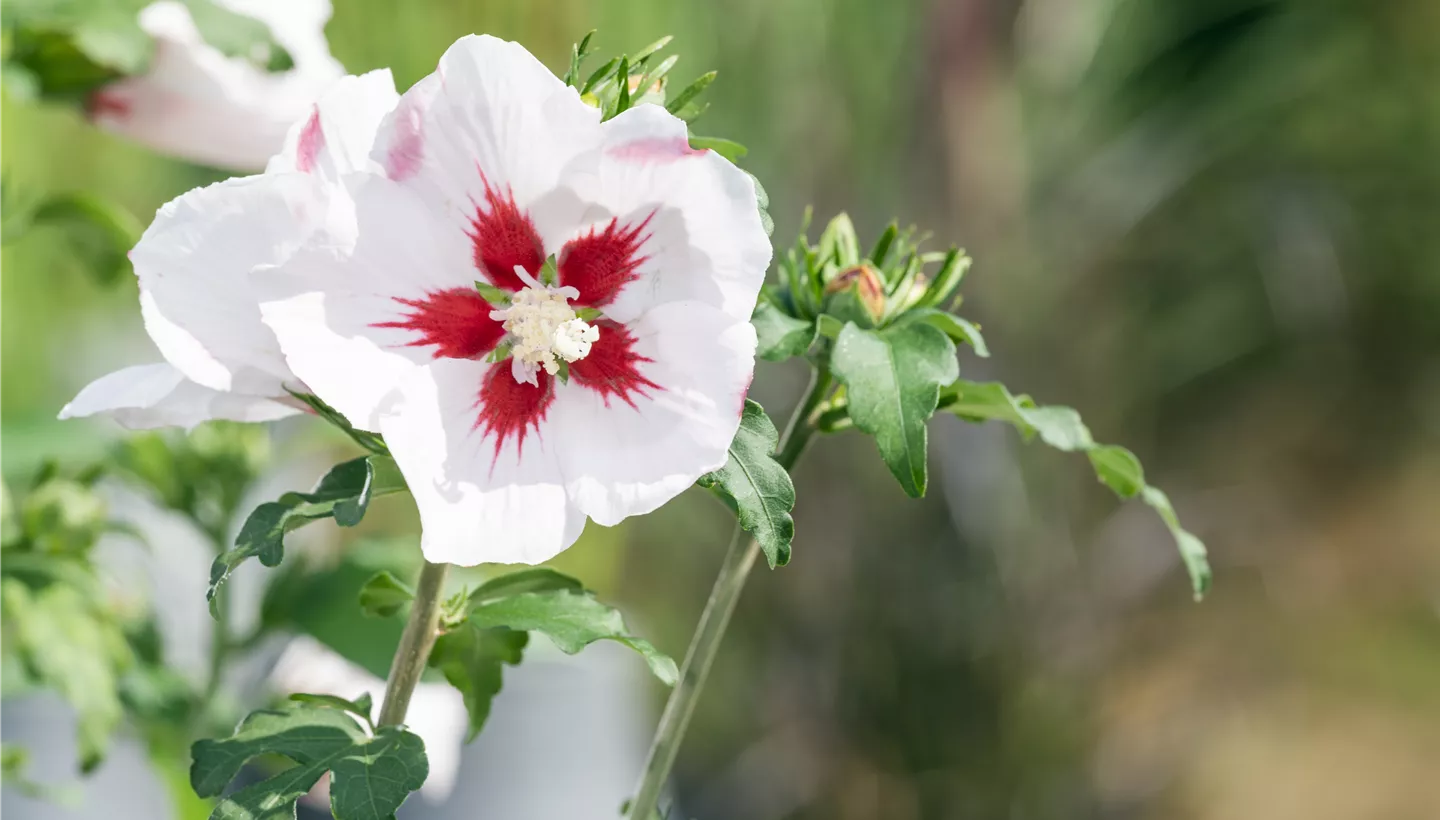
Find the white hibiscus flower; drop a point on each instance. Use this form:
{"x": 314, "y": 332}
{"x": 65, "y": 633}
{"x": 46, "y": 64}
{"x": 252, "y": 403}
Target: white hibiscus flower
{"x": 198, "y": 104}
{"x": 194, "y": 264}
{"x": 603, "y": 393}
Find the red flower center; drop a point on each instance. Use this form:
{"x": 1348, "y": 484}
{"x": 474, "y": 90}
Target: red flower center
{"x": 504, "y": 237}
{"x": 456, "y": 321}
{"x": 600, "y": 263}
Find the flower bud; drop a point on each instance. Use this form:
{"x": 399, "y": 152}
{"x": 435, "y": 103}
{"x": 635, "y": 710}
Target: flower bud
{"x": 856, "y": 294}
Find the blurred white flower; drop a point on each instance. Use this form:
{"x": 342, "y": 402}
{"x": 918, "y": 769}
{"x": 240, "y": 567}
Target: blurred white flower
{"x": 437, "y": 711}
{"x": 194, "y": 264}
{"x": 198, "y": 104}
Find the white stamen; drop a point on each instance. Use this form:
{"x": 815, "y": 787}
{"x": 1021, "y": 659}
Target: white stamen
{"x": 544, "y": 329}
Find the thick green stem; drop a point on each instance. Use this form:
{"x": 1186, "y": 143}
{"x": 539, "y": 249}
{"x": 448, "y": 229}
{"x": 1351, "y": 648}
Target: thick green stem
{"x": 716, "y": 617}
{"x": 415, "y": 644}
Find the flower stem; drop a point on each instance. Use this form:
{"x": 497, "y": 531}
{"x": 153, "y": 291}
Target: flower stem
{"x": 713, "y": 621}
{"x": 415, "y": 644}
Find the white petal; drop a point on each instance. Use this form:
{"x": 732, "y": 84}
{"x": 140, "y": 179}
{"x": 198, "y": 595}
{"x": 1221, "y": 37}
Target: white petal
{"x": 196, "y": 103}
{"x": 382, "y": 243}
{"x": 490, "y": 108}
{"x": 706, "y": 242}
{"x": 620, "y": 460}
{"x": 158, "y": 395}
{"x": 194, "y": 264}
{"x": 337, "y": 136}
{"x": 476, "y": 505}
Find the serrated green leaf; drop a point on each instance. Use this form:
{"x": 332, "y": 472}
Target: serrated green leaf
{"x": 953, "y": 326}
{"x": 344, "y": 494}
{"x": 370, "y": 776}
{"x": 892, "y": 380}
{"x": 571, "y": 619}
{"x": 1062, "y": 428}
{"x": 472, "y": 659}
{"x": 780, "y": 335}
{"x": 384, "y": 595}
{"x": 756, "y": 487}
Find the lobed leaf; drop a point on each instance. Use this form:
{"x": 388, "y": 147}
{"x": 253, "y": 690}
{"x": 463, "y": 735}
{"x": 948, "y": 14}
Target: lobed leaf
{"x": 344, "y": 494}
{"x": 1062, "y": 428}
{"x": 756, "y": 487}
{"x": 572, "y": 620}
{"x": 371, "y": 775}
{"x": 892, "y": 380}
{"x": 472, "y": 659}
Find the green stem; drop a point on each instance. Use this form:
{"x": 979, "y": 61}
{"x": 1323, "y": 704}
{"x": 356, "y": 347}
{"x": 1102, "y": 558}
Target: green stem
{"x": 713, "y": 621}
{"x": 219, "y": 625}
{"x": 415, "y": 644}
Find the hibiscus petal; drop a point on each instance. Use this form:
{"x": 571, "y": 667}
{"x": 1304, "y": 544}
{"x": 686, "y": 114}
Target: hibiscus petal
{"x": 675, "y": 224}
{"x": 337, "y": 136}
{"x": 481, "y": 498}
{"x": 386, "y": 286}
{"x": 491, "y": 124}
{"x": 194, "y": 264}
{"x": 628, "y": 454}
{"x": 157, "y": 395}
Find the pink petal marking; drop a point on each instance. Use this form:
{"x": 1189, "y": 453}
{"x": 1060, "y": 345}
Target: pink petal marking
{"x": 504, "y": 237}
{"x": 511, "y": 408}
{"x": 104, "y": 103}
{"x": 312, "y": 139}
{"x": 600, "y": 264}
{"x": 456, "y": 321}
{"x": 656, "y": 149}
{"x": 611, "y": 369}
{"x": 406, "y": 152}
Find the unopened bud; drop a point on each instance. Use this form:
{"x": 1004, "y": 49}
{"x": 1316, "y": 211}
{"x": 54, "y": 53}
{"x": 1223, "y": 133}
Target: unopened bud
{"x": 857, "y": 294}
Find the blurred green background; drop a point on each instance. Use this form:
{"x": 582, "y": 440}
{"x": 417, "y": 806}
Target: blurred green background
{"x": 1213, "y": 226}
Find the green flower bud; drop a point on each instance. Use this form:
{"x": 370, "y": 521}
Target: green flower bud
{"x": 856, "y": 294}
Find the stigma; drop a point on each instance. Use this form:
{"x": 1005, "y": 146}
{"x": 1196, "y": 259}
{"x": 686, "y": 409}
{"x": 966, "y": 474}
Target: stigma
{"x": 544, "y": 330}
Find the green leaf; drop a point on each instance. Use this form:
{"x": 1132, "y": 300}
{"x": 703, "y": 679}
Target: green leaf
{"x": 361, "y": 707}
{"x": 756, "y": 486}
{"x": 385, "y": 595}
{"x": 729, "y": 149}
{"x": 370, "y": 775}
{"x": 1062, "y": 428}
{"x": 100, "y": 233}
{"x": 472, "y": 659}
{"x": 537, "y": 579}
{"x": 368, "y": 441}
{"x": 892, "y": 381}
{"x": 680, "y": 101}
{"x": 344, "y": 494}
{"x": 781, "y": 336}
{"x": 953, "y": 326}
{"x": 572, "y": 619}
{"x": 238, "y": 35}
